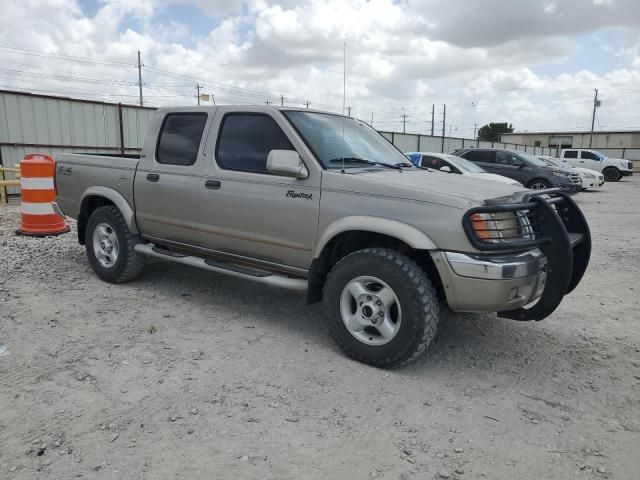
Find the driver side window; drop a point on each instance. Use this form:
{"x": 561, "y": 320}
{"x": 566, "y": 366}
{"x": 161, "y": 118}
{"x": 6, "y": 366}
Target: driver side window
{"x": 506, "y": 158}
{"x": 589, "y": 156}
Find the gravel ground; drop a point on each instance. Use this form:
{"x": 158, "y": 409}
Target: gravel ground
{"x": 190, "y": 374}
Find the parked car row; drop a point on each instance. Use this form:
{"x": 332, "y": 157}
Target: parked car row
{"x": 538, "y": 172}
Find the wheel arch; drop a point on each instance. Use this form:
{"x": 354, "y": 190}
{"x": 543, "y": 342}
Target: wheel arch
{"x": 349, "y": 234}
{"x": 97, "y": 196}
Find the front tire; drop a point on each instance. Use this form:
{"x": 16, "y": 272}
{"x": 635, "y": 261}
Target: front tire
{"x": 381, "y": 307}
{"x": 110, "y": 246}
{"x": 611, "y": 174}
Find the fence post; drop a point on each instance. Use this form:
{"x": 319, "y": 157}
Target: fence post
{"x": 393, "y": 138}
{"x": 121, "y": 129}
{"x": 419, "y": 142}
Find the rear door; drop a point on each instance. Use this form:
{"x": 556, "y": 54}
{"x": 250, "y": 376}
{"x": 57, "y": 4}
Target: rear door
{"x": 570, "y": 158}
{"x": 166, "y": 182}
{"x": 246, "y": 211}
{"x": 484, "y": 158}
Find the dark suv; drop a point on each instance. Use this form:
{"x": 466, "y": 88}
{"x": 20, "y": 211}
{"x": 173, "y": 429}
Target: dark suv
{"x": 523, "y": 167}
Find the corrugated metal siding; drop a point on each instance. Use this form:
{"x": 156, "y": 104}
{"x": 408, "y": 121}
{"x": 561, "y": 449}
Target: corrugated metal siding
{"x": 55, "y": 125}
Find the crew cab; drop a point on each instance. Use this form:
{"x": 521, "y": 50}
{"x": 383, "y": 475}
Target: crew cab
{"x": 322, "y": 203}
{"x": 527, "y": 169}
{"x": 612, "y": 168}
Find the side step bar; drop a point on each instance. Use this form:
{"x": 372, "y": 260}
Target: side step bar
{"x": 228, "y": 269}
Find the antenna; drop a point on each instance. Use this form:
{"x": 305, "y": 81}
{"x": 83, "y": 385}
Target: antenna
{"x": 344, "y": 94}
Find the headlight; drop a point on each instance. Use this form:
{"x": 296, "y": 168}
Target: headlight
{"x": 561, "y": 174}
{"x": 589, "y": 175}
{"x": 501, "y": 227}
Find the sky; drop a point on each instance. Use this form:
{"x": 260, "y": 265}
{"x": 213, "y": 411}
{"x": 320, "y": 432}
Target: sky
{"x": 531, "y": 63}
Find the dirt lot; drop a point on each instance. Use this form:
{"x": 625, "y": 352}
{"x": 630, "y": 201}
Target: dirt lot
{"x": 189, "y": 374}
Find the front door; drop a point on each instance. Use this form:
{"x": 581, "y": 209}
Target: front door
{"x": 246, "y": 211}
{"x": 589, "y": 160}
{"x": 510, "y": 165}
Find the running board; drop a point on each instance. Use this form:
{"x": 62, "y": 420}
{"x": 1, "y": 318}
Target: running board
{"x": 228, "y": 269}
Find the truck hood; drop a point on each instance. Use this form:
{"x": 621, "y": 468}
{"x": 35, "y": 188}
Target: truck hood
{"x": 459, "y": 191}
{"x": 619, "y": 162}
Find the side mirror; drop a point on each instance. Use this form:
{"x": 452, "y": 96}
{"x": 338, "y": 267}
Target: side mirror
{"x": 445, "y": 168}
{"x": 286, "y": 163}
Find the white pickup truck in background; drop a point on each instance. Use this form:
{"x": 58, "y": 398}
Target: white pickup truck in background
{"x": 612, "y": 168}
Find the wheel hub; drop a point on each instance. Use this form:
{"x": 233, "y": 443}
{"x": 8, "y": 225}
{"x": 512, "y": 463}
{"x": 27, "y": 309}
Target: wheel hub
{"x": 105, "y": 245}
{"x": 370, "y": 310}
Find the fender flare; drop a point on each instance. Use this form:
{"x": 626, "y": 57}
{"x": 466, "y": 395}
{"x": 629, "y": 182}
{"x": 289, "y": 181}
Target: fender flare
{"x": 402, "y": 231}
{"x": 118, "y": 200}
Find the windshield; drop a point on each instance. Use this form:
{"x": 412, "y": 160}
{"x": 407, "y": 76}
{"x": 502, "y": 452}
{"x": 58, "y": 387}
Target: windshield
{"x": 548, "y": 161}
{"x": 531, "y": 159}
{"x": 323, "y": 133}
{"x": 465, "y": 165}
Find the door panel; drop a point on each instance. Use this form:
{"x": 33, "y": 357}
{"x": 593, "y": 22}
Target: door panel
{"x": 246, "y": 211}
{"x": 261, "y": 216}
{"x": 166, "y": 182}
{"x": 589, "y": 160}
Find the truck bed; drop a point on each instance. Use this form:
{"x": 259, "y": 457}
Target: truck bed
{"x": 76, "y": 172}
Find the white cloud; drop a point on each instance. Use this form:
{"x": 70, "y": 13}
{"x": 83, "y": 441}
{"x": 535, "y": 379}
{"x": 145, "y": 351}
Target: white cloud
{"x": 400, "y": 54}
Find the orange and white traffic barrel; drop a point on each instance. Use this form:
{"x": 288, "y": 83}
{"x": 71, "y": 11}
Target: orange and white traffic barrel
{"x": 37, "y": 194}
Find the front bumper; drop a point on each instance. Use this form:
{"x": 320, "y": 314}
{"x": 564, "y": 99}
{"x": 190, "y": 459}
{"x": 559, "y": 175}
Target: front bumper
{"x": 626, "y": 173}
{"x": 592, "y": 182}
{"x": 570, "y": 188}
{"x": 491, "y": 283}
{"x": 549, "y": 261}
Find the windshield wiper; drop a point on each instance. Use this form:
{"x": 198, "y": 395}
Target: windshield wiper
{"x": 364, "y": 162}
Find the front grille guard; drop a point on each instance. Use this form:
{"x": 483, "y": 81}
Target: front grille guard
{"x": 559, "y": 230}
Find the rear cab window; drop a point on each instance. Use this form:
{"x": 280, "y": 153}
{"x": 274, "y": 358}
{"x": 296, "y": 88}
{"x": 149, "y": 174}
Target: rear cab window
{"x": 180, "y": 137}
{"x": 570, "y": 154}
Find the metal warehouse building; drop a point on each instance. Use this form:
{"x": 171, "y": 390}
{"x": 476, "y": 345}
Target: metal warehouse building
{"x": 31, "y": 123}
{"x": 617, "y": 144}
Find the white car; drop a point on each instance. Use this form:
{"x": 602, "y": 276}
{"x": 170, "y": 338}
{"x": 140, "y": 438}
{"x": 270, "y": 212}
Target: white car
{"x": 589, "y": 178}
{"x": 453, "y": 164}
{"x": 612, "y": 168}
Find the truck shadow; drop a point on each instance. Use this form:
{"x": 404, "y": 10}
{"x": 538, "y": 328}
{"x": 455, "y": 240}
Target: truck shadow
{"x": 482, "y": 342}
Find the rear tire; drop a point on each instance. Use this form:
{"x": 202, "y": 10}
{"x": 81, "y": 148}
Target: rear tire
{"x": 538, "y": 184}
{"x": 611, "y": 174}
{"x": 381, "y": 307}
{"x": 110, "y": 246}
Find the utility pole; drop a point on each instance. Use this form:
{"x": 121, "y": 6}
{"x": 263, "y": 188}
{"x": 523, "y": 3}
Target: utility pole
{"x": 596, "y": 103}
{"x": 281, "y": 100}
{"x": 475, "y": 126}
{"x": 404, "y": 123}
{"x": 349, "y": 112}
{"x": 433, "y": 113}
{"x": 444, "y": 125}
{"x": 267, "y": 102}
{"x": 198, "y": 87}
{"x": 371, "y": 124}
{"x": 307, "y": 104}
{"x": 140, "y": 76}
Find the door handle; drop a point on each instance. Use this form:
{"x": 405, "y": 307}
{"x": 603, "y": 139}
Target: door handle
{"x": 213, "y": 184}
{"x": 153, "y": 177}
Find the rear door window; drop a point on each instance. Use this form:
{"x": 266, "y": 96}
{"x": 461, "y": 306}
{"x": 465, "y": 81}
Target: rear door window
{"x": 179, "y": 139}
{"x": 246, "y": 140}
{"x": 480, "y": 156}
